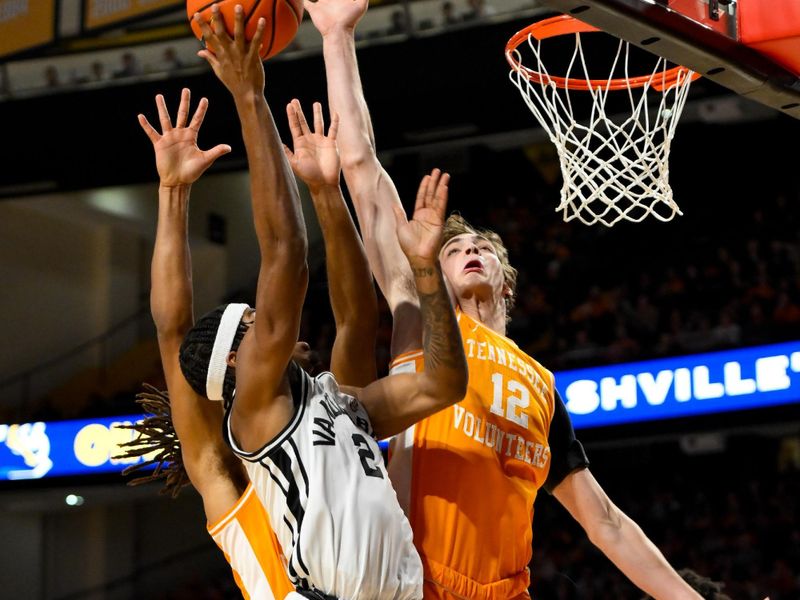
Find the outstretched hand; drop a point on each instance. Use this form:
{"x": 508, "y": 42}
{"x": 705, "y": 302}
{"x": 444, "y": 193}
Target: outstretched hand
{"x": 315, "y": 158}
{"x": 335, "y": 15}
{"x": 235, "y": 61}
{"x": 178, "y": 159}
{"x": 421, "y": 237}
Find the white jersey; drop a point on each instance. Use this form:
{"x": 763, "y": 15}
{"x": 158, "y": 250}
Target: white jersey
{"x": 330, "y": 501}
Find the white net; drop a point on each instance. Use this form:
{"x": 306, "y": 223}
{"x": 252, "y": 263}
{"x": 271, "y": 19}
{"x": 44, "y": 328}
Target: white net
{"x": 614, "y": 167}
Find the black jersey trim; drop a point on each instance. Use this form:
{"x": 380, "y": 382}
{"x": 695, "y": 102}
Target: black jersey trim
{"x": 299, "y": 383}
{"x": 283, "y": 463}
{"x": 287, "y": 492}
{"x": 300, "y": 464}
{"x": 275, "y": 478}
{"x": 291, "y": 529}
{"x": 566, "y": 452}
{"x": 280, "y": 458}
{"x": 298, "y": 581}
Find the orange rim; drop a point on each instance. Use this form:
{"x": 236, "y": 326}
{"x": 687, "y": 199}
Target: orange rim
{"x": 564, "y": 25}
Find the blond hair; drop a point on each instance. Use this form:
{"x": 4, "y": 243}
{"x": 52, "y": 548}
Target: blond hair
{"x": 456, "y": 225}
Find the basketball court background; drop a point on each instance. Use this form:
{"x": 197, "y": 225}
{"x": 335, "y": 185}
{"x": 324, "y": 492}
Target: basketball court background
{"x": 716, "y": 491}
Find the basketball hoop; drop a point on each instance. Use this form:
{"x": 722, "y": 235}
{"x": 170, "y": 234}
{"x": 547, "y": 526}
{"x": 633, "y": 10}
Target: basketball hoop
{"x": 614, "y": 168}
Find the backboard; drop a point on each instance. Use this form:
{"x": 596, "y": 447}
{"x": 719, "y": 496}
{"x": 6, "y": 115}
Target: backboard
{"x": 749, "y": 46}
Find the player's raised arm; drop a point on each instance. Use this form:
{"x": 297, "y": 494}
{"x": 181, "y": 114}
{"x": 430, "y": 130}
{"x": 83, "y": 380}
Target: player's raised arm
{"x": 620, "y": 538}
{"x": 315, "y": 160}
{"x": 372, "y": 190}
{"x": 179, "y": 163}
{"x": 277, "y": 217}
{"x": 210, "y": 466}
{"x": 394, "y": 403}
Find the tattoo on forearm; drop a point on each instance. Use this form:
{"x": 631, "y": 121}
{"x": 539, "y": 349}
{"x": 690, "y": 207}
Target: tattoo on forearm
{"x": 441, "y": 339}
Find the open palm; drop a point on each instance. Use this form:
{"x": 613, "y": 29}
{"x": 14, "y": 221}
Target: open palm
{"x": 179, "y": 160}
{"x": 421, "y": 237}
{"x": 315, "y": 158}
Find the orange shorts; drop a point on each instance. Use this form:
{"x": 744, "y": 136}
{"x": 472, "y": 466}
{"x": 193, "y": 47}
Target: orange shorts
{"x": 431, "y": 591}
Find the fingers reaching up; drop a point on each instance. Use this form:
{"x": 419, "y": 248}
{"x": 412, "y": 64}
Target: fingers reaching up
{"x": 315, "y": 156}
{"x": 235, "y": 60}
{"x": 432, "y": 195}
{"x": 421, "y": 236}
{"x": 178, "y": 158}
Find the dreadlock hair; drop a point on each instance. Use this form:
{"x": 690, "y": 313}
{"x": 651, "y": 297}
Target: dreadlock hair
{"x": 708, "y": 589}
{"x": 457, "y": 225}
{"x": 156, "y": 434}
{"x": 195, "y": 353}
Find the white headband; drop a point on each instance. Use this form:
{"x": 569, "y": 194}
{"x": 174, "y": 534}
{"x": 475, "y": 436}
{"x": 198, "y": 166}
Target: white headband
{"x": 223, "y": 342}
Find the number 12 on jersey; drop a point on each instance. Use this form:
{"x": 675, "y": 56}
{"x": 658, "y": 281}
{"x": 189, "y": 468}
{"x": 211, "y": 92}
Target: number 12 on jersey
{"x": 518, "y": 399}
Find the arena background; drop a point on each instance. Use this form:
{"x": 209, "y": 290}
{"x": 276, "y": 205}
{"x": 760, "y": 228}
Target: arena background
{"x": 716, "y": 492}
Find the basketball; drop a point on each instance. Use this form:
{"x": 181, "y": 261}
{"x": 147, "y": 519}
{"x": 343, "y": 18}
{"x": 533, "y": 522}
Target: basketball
{"x": 282, "y": 16}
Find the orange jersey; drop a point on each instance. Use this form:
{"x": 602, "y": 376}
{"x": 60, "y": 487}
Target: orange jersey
{"x": 468, "y": 475}
{"x": 251, "y": 548}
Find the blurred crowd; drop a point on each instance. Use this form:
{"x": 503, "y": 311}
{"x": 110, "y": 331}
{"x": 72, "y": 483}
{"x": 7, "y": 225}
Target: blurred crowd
{"x": 658, "y": 291}
{"x": 725, "y": 274}
{"x": 129, "y": 65}
{"x": 133, "y": 63}
{"x": 732, "y": 517}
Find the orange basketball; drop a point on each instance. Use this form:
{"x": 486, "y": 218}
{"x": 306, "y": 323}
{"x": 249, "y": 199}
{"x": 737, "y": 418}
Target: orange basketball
{"x": 282, "y": 16}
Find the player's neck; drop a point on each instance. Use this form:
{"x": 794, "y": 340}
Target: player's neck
{"x": 490, "y": 312}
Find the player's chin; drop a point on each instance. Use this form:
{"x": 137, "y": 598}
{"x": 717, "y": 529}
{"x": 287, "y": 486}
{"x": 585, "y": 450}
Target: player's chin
{"x": 471, "y": 279}
{"x": 474, "y": 273}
